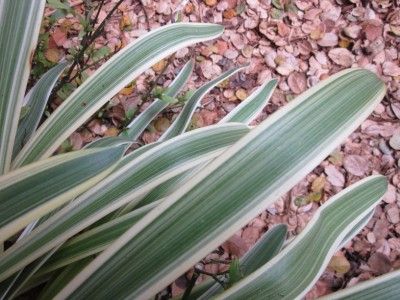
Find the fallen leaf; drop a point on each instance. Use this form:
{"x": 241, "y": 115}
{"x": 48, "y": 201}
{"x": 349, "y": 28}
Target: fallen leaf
{"x": 379, "y": 263}
{"x": 339, "y": 264}
{"x": 317, "y": 33}
{"x": 301, "y": 201}
{"x": 381, "y": 229}
{"x": 286, "y": 63}
{"x": 125, "y": 23}
{"x": 396, "y": 109}
{"x": 250, "y": 235}
{"x": 52, "y": 55}
{"x": 159, "y": 66}
{"x": 390, "y": 195}
{"x": 96, "y": 127}
{"x": 150, "y": 137}
{"x": 241, "y": 94}
{"x": 372, "y": 29}
{"x": 247, "y": 51}
{"x": 162, "y": 124}
{"x": 209, "y": 69}
{"x": 76, "y": 141}
{"x": 341, "y": 57}
{"x": 318, "y": 184}
{"x": 311, "y": 14}
{"x": 356, "y": 165}
{"x": 336, "y": 158}
{"x": 128, "y": 89}
{"x": 393, "y": 215}
{"x": 303, "y": 4}
{"x": 163, "y": 7}
{"x": 283, "y": 29}
{"x": 221, "y": 47}
{"x": 394, "y": 141}
{"x": 229, "y": 13}
{"x": 297, "y": 82}
{"x": 237, "y": 41}
{"x": 208, "y": 117}
{"x": 352, "y": 31}
{"x": 344, "y": 43}
{"x": 314, "y": 197}
{"x": 112, "y": 131}
{"x": 334, "y": 176}
{"x": 329, "y": 39}
{"x": 210, "y": 2}
{"x": 59, "y": 37}
{"x": 391, "y": 69}
{"x": 374, "y": 129}
{"x": 235, "y": 246}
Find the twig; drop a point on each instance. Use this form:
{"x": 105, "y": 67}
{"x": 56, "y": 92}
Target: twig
{"x": 146, "y": 16}
{"x": 88, "y": 66}
{"x": 216, "y": 261}
{"x": 190, "y": 286}
{"x": 214, "y": 276}
{"x": 87, "y": 40}
{"x": 200, "y": 10}
{"x": 162, "y": 73}
{"x": 94, "y": 21}
{"x": 194, "y": 278}
{"x": 379, "y": 119}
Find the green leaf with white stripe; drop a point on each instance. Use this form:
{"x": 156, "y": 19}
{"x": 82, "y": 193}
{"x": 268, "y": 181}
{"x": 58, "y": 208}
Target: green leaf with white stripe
{"x": 135, "y": 175}
{"x": 111, "y": 77}
{"x": 385, "y": 287}
{"x": 20, "y": 24}
{"x": 94, "y": 240}
{"x": 35, "y": 190}
{"x": 231, "y": 190}
{"x": 250, "y": 108}
{"x": 182, "y": 121}
{"x": 357, "y": 228}
{"x": 11, "y": 287}
{"x": 245, "y": 113}
{"x": 53, "y": 287}
{"x": 35, "y": 103}
{"x": 108, "y": 141}
{"x": 295, "y": 270}
{"x": 136, "y": 127}
{"x": 263, "y": 251}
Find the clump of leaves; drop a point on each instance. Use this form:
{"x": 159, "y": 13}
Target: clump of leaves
{"x": 75, "y": 224}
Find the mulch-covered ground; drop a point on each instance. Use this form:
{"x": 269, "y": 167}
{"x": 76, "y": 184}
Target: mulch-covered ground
{"x": 299, "y": 42}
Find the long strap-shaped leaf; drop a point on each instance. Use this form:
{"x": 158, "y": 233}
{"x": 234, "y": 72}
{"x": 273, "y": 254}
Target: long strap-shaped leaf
{"x": 385, "y": 287}
{"x": 19, "y": 23}
{"x": 294, "y": 271}
{"x": 139, "y": 175}
{"x": 53, "y": 287}
{"x": 88, "y": 244}
{"x": 250, "y": 108}
{"x": 136, "y": 127}
{"x": 357, "y": 228}
{"x": 94, "y": 240}
{"x": 33, "y": 191}
{"x": 245, "y": 113}
{"x": 35, "y": 103}
{"x": 116, "y": 73}
{"x": 14, "y": 284}
{"x": 182, "y": 121}
{"x": 262, "y": 252}
{"x": 231, "y": 190}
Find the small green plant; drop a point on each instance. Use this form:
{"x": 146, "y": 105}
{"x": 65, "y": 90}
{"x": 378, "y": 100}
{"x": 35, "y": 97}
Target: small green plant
{"x": 100, "y": 223}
